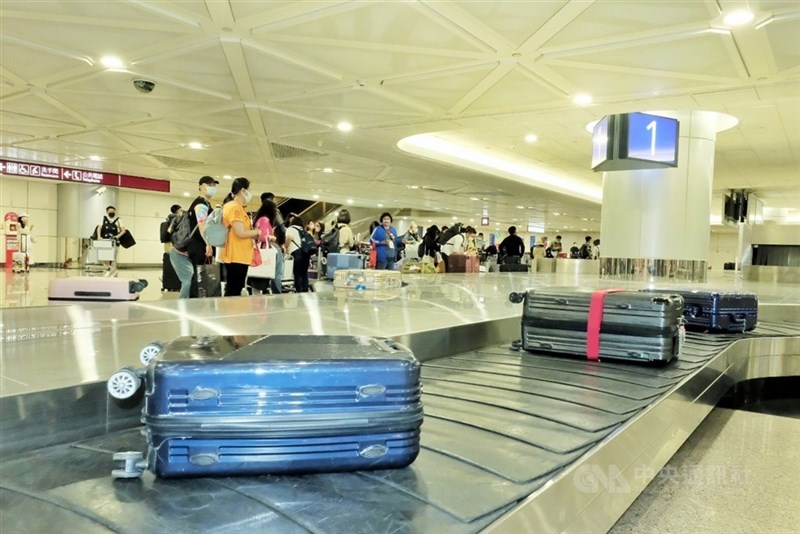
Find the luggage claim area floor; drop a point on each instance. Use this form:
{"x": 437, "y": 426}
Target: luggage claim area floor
{"x": 511, "y": 441}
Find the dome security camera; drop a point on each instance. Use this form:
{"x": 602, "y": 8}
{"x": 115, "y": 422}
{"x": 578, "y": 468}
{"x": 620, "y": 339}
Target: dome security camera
{"x": 144, "y": 86}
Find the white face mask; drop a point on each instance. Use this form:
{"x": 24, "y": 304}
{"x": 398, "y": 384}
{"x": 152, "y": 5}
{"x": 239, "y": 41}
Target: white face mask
{"x": 248, "y": 196}
{"x": 211, "y": 190}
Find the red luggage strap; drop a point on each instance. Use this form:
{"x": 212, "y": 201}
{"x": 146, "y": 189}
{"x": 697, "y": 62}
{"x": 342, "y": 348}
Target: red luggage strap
{"x": 595, "y": 320}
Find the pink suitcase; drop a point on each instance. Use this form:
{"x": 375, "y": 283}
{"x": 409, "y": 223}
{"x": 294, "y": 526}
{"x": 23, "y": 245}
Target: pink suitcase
{"x": 95, "y": 288}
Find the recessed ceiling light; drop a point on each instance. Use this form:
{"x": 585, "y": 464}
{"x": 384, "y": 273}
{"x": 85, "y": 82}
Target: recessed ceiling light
{"x": 186, "y": 193}
{"x": 520, "y": 207}
{"x": 380, "y": 205}
{"x": 112, "y": 62}
{"x": 413, "y": 187}
{"x": 349, "y": 200}
{"x": 327, "y": 169}
{"x": 738, "y": 17}
{"x": 315, "y": 197}
{"x": 344, "y": 126}
{"x": 95, "y": 158}
{"x": 474, "y": 198}
{"x": 531, "y": 138}
{"x": 582, "y": 99}
{"x": 455, "y": 218}
{"x": 228, "y": 177}
{"x": 194, "y": 145}
{"x": 556, "y": 213}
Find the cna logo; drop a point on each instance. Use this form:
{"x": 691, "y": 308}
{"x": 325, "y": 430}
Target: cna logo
{"x": 594, "y": 478}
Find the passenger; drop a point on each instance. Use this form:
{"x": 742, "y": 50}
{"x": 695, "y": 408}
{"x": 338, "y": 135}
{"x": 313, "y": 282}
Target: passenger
{"x": 346, "y": 240}
{"x": 540, "y": 248}
{"x": 385, "y": 239}
{"x": 266, "y": 219}
{"x": 454, "y": 245}
{"x": 470, "y": 244}
{"x": 586, "y": 249}
{"x": 557, "y": 246}
{"x": 574, "y": 251}
{"x": 480, "y": 243}
{"x": 110, "y": 228}
{"x": 430, "y": 243}
{"x": 186, "y": 262}
{"x": 596, "y": 249}
{"x": 26, "y": 229}
{"x": 301, "y": 260}
{"x": 512, "y": 247}
{"x": 238, "y": 252}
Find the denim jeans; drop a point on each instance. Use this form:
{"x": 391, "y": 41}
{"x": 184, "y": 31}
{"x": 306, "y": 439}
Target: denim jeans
{"x": 385, "y": 265}
{"x": 278, "y": 280}
{"x": 184, "y": 269}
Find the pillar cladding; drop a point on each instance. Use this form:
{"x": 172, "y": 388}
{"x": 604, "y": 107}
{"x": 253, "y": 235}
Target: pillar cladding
{"x": 81, "y": 208}
{"x": 655, "y": 222}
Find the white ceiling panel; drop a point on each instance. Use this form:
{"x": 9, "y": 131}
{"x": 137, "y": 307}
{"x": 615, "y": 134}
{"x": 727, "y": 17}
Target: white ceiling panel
{"x": 262, "y": 85}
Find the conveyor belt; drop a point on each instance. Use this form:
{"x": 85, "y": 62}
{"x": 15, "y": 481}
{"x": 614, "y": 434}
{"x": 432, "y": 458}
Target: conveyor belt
{"x": 499, "y": 424}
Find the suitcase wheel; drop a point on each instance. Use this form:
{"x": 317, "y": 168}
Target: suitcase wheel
{"x": 123, "y": 384}
{"x": 150, "y": 351}
{"x": 133, "y": 464}
{"x": 516, "y": 297}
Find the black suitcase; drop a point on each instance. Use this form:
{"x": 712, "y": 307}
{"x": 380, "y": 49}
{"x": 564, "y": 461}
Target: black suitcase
{"x": 514, "y": 268}
{"x": 169, "y": 278}
{"x": 718, "y": 311}
{"x": 606, "y": 324}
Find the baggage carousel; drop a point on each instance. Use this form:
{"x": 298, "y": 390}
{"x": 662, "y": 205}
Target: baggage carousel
{"x": 511, "y": 442}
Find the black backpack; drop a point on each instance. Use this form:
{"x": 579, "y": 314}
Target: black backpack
{"x": 330, "y": 243}
{"x": 446, "y": 236}
{"x": 163, "y": 231}
{"x": 585, "y": 252}
{"x": 307, "y": 245}
{"x": 109, "y": 228}
{"x": 182, "y": 231}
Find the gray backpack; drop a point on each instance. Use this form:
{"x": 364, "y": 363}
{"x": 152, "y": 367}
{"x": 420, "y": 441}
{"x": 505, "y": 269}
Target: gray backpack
{"x": 216, "y": 233}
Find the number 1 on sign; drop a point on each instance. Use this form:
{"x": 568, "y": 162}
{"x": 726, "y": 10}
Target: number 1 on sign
{"x": 652, "y": 127}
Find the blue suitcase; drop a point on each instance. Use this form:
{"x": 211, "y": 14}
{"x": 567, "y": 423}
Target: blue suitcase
{"x": 343, "y": 261}
{"x": 237, "y": 405}
{"x": 718, "y": 311}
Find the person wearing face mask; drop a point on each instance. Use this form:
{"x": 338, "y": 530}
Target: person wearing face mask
{"x": 238, "y": 251}
{"x": 185, "y": 262}
{"x": 111, "y": 228}
{"x": 385, "y": 240}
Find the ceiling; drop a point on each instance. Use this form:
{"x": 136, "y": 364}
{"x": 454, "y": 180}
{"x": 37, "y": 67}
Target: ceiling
{"x": 263, "y": 85}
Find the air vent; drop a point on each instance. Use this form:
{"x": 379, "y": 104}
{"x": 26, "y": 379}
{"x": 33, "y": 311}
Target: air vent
{"x": 286, "y": 152}
{"x": 177, "y": 163}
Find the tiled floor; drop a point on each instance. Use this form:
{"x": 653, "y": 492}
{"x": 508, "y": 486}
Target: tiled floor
{"x": 738, "y": 472}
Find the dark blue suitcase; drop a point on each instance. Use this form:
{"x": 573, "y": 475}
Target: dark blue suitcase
{"x": 237, "y": 405}
{"x": 718, "y": 311}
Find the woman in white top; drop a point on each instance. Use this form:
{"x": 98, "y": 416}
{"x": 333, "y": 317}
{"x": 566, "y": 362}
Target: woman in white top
{"x": 26, "y": 229}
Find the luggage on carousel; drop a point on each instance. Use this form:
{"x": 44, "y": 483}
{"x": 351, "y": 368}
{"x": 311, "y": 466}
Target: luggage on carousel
{"x": 234, "y": 405}
{"x": 514, "y": 268}
{"x": 718, "y": 311}
{"x": 336, "y": 261}
{"x": 95, "y": 288}
{"x": 603, "y": 324}
{"x": 361, "y": 279}
{"x": 463, "y": 263}
{"x": 169, "y": 278}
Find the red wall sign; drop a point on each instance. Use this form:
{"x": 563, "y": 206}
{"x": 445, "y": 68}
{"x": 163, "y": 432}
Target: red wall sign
{"x": 51, "y": 172}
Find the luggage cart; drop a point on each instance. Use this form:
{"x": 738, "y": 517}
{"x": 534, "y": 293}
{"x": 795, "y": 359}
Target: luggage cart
{"x": 101, "y": 250}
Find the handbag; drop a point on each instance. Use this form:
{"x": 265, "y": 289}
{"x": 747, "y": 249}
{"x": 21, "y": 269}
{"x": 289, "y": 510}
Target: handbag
{"x": 373, "y": 258}
{"x": 256, "y": 260}
{"x": 269, "y": 259}
{"x": 126, "y": 240}
{"x": 209, "y": 280}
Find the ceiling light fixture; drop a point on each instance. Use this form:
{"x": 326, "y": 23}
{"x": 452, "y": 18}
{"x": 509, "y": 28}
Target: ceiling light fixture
{"x": 228, "y": 177}
{"x": 186, "y": 193}
{"x": 95, "y": 158}
{"x": 582, "y": 99}
{"x": 315, "y": 197}
{"x": 327, "y": 169}
{"x": 380, "y": 205}
{"x": 111, "y": 62}
{"x": 194, "y": 145}
{"x": 739, "y": 17}
{"x": 344, "y": 126}
{"x": 349, "y": 200}
{"x": 531, "y": 138}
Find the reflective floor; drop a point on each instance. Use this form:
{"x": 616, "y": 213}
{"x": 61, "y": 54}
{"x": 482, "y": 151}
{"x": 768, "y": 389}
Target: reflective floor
{"x": 63, "y": 344}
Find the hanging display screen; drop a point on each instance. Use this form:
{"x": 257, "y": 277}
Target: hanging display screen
{"x": 633, "y": 141}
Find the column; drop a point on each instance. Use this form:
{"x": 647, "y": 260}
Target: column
{"x": 655, "y": 222}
